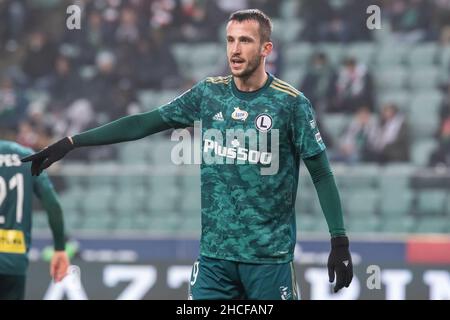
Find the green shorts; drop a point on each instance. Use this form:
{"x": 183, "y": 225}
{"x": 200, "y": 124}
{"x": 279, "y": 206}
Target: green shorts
{"x": 215, "y": 279}
{"x": 12, "y": 287}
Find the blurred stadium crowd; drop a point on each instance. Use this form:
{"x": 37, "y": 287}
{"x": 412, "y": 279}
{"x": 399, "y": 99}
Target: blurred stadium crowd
{"x": 381, "y": 96}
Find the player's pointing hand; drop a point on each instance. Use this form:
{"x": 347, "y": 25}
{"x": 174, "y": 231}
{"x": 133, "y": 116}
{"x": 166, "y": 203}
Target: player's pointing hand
{"x": 44, "y": 158}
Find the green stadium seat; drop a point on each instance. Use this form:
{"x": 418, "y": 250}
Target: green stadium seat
{"x": 294, "y": 76}
{"x": 96, "y": 200}
{"x": 72, "y": 219}
{"x": 190, "y": 203}
{"x": 424, "y": 78}
{"x": 210, "y": 54}
{"x": 75, "y": 182}
{"x": 443, "y": 57}
{"x": 289, "y": 9}
{"x": 191, "y": 224}
{"x": 128, "y": 203}
{"x": 304, "y": 203}
{"x": 431, "y": 202}
{"x": 311, "y": 223}
{"x": 359, "y": 177}
{"x": 286, "y": 30}
{"x": 391, "y": 78}
{"x": 447, "y": 207}
{"x": 165, "y": 225}
{"x": 101, "y": 221}
{"x": 398, "y": 204}
{"x": 395, "y": 194}
{"x": 363, "y": 52}
{"x": 201, "y": 72}
{"x": 391, "y": 55}
{"x": 101, "y": 181}
{"x": 132, "y": 181}
{"x": 424, "y": 112}
{"x": 40, "y": 220}
{"x": 431, "y": 225}
{"x": 133, "y": 152}
{"x": 334, "y": 52}
{"x": 161, "y": 151}
{"x": 422, "y": 55}
{"x": 71, "y": 199}
{"x": 401, "y": 98}
{"x": 190, "y": 183}
{"x": 335, "y": 124}
{"x": 181, "y": 53}
{"x": 403, "y": 224}
{"x": 124, "y": 223}
{"x": 297, "y": 55}
{"x": 361, "y": 203}
{"x": 161, "y": 203}
{"x": 149, "y": 99}
{"x": 165, "y": 96}
{"x": 421, "y": 151}
{"x": 362, "y": 225}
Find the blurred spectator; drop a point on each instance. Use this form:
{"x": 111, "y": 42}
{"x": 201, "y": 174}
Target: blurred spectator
{"x": 318, "y": 81}
{"x": 352, "y": 88}
{"x": 13, "y": 104}
{"x": 275, "y": 60}
{"x": 273, "y": 7}
{"x": 128, "y": 29}
{"x": 389, "y": 142}
{"x": 13, "y": 15}
{"x": 230, "y": 6}
{"x": 155, "y": 66}
{"x": 316, "y": 15}
{"x": 199, "y": 20}
{"x": 162, "y": 13}
{"x": 39, "y": 59}
{"x": 34, "y": 136}
{"x": 411, "y": 19}
{"x": 353, "y": 143}
{"x": 65, "y": 83}
{"x": 99, "y": 88}
{"x": 441, "y": 156}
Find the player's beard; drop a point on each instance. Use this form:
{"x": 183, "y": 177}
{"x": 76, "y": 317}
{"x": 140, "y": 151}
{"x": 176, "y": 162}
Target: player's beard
{"x": 252, "y": 65}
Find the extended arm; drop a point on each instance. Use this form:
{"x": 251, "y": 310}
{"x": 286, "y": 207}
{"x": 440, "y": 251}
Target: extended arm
{"x": 125, "y": 129}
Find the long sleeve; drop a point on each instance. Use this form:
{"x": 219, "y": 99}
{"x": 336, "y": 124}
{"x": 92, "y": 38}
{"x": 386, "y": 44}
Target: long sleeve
{"x": 128, "y": 128}
{"x": 44, "y": 190}
{"x": 323, "y": 179}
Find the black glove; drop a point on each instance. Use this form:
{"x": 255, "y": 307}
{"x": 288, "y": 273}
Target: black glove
{"x": 44, "y": 158}
{"x": 340, "y": 261}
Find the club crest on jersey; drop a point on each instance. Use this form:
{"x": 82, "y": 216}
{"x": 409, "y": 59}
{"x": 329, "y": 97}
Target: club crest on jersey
{"x": 263, "y": 122}
{"x": 239, "y": 114}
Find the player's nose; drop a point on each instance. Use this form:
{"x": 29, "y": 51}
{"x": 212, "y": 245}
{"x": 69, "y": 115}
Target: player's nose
{"x": 236, "y": 48}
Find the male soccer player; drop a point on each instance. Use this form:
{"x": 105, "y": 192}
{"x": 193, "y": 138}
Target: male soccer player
{"x": 16, "y": 188}
{"x": 248, "y": 219}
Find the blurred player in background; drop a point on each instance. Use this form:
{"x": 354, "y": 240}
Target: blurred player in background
{"x": 17, "y": 186}
{"x": 248, "y": 219}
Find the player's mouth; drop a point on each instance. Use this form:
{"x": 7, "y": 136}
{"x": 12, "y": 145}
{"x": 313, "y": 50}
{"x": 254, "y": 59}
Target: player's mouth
{"x": 236, "y": 63}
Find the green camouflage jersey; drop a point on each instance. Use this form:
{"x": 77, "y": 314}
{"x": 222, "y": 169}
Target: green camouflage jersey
{"x": 248, "y": 216}
{"x": 16, "y": 189}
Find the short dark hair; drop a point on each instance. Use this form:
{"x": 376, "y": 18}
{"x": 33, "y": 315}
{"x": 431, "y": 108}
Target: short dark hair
{"x": 265, "y": 25}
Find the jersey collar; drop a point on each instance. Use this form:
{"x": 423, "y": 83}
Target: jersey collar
{"x": 249, "y": 95}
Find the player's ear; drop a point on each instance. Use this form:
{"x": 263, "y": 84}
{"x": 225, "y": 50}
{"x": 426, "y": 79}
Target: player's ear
{"x": 266, "y": 49}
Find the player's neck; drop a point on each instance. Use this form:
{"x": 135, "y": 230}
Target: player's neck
{"x": 254, "y": 82}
